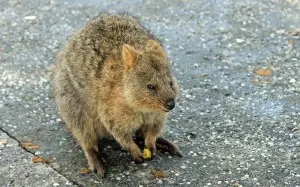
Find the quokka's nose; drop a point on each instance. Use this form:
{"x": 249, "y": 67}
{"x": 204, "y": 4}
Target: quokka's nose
{"x": 170, "y": 103}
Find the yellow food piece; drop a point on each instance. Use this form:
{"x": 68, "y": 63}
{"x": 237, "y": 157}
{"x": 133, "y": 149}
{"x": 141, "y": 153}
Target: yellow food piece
{"x": 146, "y": 154}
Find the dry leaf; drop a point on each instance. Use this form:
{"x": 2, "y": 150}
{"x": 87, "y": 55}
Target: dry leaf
{"x": 28, "y": 145}
{"x": 295, "y": 33}
{"x": 266, "y": 72}
{"x": 292, "y": 42}
{"x": 157, "y": 173}
{"x": 39, "y": 159}
{"x": 3, "y": 141}
{"x": 33, "y": 147}
{"x": 85, "y": 171}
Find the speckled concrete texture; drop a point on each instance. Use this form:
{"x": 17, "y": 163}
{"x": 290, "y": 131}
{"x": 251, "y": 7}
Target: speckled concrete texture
{"x": 17, "y": 168}
{"x": 238, "y": 118}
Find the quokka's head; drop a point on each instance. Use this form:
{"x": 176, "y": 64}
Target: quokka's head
{"x": 148, "y": 83}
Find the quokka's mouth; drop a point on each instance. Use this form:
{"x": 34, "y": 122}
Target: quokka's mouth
{"x": 166, "y": 110}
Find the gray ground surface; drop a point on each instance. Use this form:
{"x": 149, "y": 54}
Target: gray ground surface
{"x": 17, "y": 169}
{"x": 235, "y": 127}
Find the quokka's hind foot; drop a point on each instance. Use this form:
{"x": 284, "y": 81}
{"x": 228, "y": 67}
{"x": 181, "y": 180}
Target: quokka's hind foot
{"x": 167, "y": 145}
{"x": 95, "y": 161}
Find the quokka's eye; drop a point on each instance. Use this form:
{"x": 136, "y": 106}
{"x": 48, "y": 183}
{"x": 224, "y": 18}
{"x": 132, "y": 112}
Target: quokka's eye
{"x": 151, "y": 87}
{"x": 171, "y": 84}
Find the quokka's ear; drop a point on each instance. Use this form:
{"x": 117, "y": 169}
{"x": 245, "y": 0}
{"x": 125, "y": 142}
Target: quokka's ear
{"x": 154, "y": 47}
{"x": 129, "y": 56}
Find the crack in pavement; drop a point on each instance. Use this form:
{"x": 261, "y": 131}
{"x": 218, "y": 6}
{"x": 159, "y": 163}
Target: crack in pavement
{"x": 19, "y": 143}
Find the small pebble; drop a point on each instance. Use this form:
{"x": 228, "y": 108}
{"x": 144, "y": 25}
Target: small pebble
{"x": 281, "y": 31}
{"x": 144, "y": 164}
{"x": 55, "y": 165}
{"x": 238, "y": 40}
{"x": 188, "y": 96}
{"x": 31, "y": 18}
{"x": 68, "y": 183}
{"x": 37, "y": 153}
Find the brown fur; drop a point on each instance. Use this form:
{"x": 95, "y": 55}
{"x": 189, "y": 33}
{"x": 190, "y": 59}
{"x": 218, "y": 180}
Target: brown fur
{"x": 100, "y": 85}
